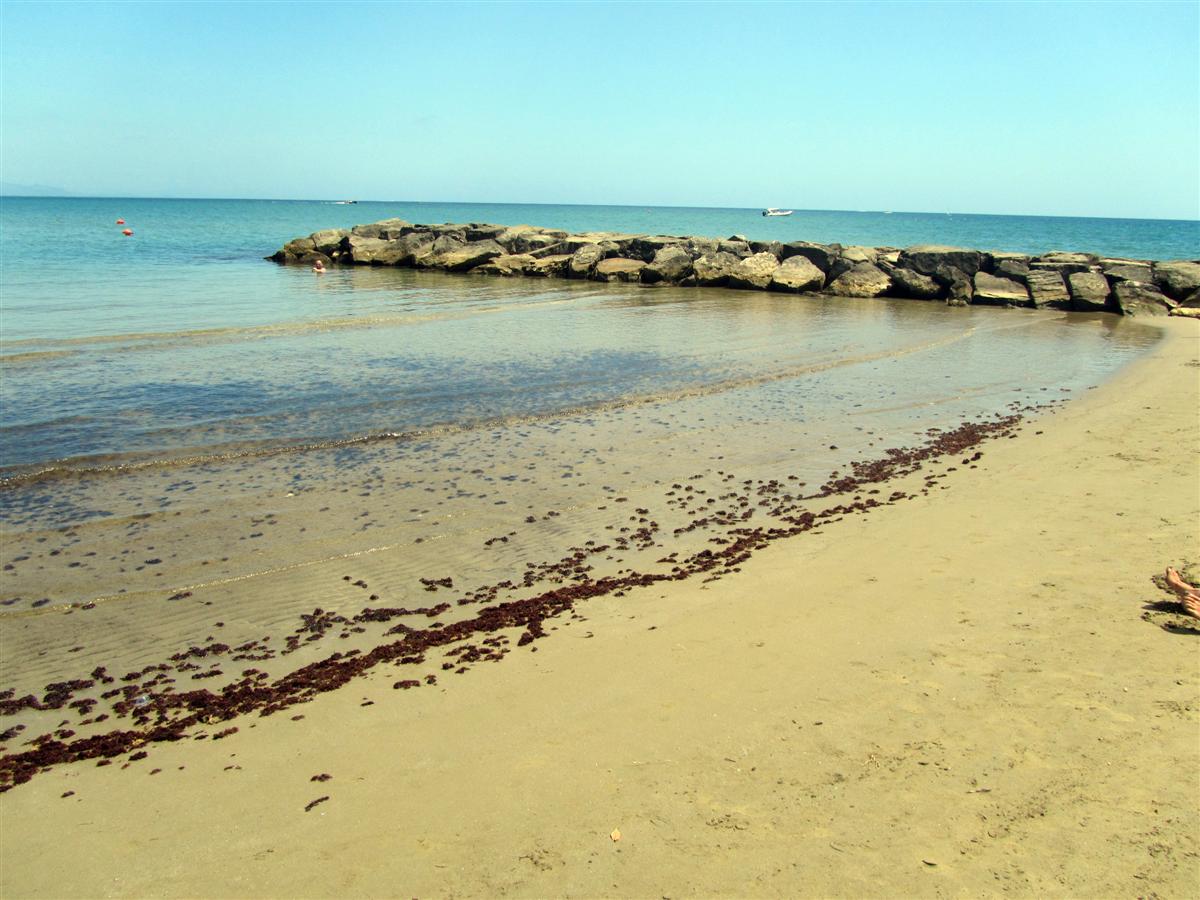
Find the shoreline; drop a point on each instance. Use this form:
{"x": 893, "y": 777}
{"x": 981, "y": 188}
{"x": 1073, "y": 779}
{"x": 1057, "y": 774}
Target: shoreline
{"x": 983, "y": 725}
{"x": 1084, "y": 282}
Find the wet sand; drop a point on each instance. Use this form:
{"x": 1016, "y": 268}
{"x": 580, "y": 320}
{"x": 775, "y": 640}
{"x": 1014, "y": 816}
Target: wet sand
{"x": 962, "y": 693}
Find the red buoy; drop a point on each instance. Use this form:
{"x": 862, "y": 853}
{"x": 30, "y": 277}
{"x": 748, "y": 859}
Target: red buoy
{"x": 127, "y": 232}
{"x": 120, "y": 221}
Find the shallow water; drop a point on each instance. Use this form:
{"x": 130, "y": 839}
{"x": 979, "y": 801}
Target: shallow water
{"x": 202, "y": 456}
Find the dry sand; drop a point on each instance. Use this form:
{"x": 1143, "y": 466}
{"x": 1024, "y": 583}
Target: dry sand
{"x": 958, "y": 695}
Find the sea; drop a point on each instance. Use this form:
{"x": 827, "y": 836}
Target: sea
{"x": 175, "y": 375}
{"x": 201, "y": 450}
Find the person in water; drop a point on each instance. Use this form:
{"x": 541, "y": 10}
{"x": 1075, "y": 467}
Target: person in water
{"x": 319, "y": 267}
{"x": 1189, "y": 595}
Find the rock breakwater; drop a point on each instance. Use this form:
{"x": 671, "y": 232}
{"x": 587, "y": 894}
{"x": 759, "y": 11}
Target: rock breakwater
{"x": 953, "y": 275}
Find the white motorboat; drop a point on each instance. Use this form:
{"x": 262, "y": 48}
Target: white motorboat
{"x": 772, "y": 211}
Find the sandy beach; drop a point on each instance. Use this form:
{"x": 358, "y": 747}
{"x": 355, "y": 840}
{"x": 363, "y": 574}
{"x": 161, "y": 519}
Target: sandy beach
{"x": 970, "y": 693}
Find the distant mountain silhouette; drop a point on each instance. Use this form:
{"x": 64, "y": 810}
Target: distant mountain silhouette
{"x": 11, "y": 189}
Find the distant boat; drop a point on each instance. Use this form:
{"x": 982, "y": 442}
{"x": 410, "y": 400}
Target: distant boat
{"x": 344, "y": 202}
{"x": 772, "y": 211}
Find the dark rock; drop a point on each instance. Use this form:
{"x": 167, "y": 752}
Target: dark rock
{"x": 1177, "y": 278}
{"x": 1127, "y": 270}
{"x": 797, "y": 274}
{"x": 478, "y": 231}
{"x": 928, "y": 258}
{"x": 1065, "y": 263}
{"x": 740, "y": 249}
{"x": 820, "y": 255}
{"x": 996, "y": 290}
{"x": 864, "y": 280}
{"x": 773, "y": 247}
{"x": 754, "y": 272}
{"x": 1014, "y": 267}
{"x": 1135, "y": 298}
{"x": 959, "y": 288}
{"x": 329, "y": 240}
{"x": 669, "y": 264}
{"x": 299, "y": 246}
{"x": 387, "y": 230}
{"x": 646, "y": 247}
{"x": 524, "y": 238}
{"x": 1089, "y": 291}
{"x": 907, "y": 283}
{"x": 1047, "y": 288}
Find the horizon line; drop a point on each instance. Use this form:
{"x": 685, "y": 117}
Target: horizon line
{"x": 70, "y": 196}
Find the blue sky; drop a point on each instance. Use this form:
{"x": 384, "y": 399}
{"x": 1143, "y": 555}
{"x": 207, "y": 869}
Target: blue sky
{"x": 1026, "y": 108}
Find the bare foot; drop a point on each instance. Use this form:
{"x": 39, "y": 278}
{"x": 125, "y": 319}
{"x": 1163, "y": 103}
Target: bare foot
{"x": 1181, "y": 587}
{"x": 1191, "y": 605}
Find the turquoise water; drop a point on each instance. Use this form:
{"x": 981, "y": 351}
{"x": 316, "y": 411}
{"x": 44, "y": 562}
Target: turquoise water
{"x": 182, "y": 340}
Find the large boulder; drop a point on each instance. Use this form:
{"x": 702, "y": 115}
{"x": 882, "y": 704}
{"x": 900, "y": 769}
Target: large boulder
{"x": 960, "y": 289}
{"x": 412, "y": 247}
{"x": 479, "y": 231}
{"x": 864, "y": 280}
{"x": 754, "y": 271}
{"x": 698, "y": 247}
{"x": 329, "y": 240}
{"x": 584, "y": 260}
{"x": 1089, "y": 291}
{"x": 713, "y": 270}
{"x": 1002, "y": 291}
{"x": 928, "y": 258}
{"x": 554, "y": 266}
{"x": 739, "y": 248}
{"x": 1135, "y": 298}
{"x": 671, "y": 264}
{"x": 646, "y": 247}
{"x": 857, "y": 255}
{"x": 387, "y": 230}
{"x": 907, "y": 283}
{"x": 299, "y": 247}
{"x": 468, "y": 256}
{"x": 1014, "y": 267}
{"x": 618, "y": 268}
{"x": 519, "y": 239}
{"x": 773, "y": 247}
{"x": 797, "y": 274}
{"x": 1047, "y": 288}
{"x": 820, "y": 255}
{"x": 1177, "y": 278}
{"x": 1127, "y": 270}
{"x": 370, "y": 250}
{"x": 1065, "y": 264}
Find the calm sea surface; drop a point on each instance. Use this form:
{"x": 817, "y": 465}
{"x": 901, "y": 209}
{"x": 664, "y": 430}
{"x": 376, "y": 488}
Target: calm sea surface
{"x": 181, "y": 340}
